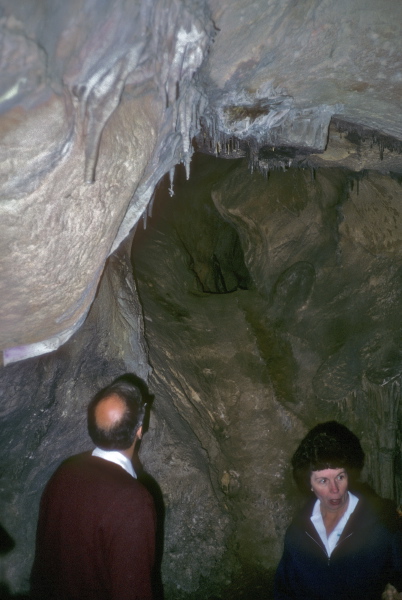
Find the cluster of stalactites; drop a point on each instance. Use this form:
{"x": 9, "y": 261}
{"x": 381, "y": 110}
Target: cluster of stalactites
{"x": 360, "y": 134}
{"x": 181, "y": 40}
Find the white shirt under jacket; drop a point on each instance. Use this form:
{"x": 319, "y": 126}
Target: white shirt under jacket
{"x": 316, "y": 518}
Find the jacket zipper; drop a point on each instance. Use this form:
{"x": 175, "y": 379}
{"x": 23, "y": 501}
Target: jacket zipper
{"x": 324, "y": 549}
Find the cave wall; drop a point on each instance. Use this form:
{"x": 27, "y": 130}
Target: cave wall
{"x": 330, "y": 274}
{"x": 43, "y": 408}
{"x": 257, "y": 307}
{"x": 301, "y": 325}
{"x": 207, "y": 369}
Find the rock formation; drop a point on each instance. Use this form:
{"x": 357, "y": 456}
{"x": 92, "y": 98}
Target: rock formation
{"x": 257, "y": 297}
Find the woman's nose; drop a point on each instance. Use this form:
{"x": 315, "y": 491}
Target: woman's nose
{"x": 334, "y": 487}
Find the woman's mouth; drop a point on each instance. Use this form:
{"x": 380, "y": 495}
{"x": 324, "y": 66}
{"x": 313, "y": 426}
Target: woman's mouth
{"x": 335, "y": 502}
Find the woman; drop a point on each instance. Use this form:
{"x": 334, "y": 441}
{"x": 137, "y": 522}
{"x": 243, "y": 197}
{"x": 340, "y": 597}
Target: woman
{"x": 342, "y": 545}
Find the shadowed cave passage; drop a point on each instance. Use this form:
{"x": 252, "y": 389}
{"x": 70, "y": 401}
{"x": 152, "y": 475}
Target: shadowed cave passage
{"x": 191, "y": 277}
{"x": 309, "y": 332}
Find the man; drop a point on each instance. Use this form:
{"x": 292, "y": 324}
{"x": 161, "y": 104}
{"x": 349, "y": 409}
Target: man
{"x": 96, "y": 528}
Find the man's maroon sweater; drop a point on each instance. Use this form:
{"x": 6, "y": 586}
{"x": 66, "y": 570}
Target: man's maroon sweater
{"x": 95, "y": 536}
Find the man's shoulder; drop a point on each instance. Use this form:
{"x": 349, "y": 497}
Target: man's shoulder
{"x": 76, "y": 463}
{"x": 89, "y": 477}
{"x": 82, "y": 457}
{"x": 92, "y": 470}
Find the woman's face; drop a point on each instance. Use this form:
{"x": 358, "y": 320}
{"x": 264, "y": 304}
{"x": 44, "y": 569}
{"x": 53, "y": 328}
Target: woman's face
{"x": 331, "y": 488}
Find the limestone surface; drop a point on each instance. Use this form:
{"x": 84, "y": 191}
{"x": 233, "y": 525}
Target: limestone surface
{"x": 100, "y": 99}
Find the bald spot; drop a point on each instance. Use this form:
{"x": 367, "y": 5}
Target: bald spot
{"x": 109, "y": 411}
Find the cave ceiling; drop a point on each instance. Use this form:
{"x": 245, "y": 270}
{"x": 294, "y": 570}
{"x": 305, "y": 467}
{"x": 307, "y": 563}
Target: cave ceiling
{"x": 99, "y": 99}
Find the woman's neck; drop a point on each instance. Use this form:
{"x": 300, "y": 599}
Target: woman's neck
{"x": 332, "y": 518}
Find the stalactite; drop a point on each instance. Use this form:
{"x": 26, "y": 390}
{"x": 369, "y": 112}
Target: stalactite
{"x": 150, "y": 206}
{"x": 98, "y": 98}
{"x": 171, "y": 181}
{"x": 358, "y": 134}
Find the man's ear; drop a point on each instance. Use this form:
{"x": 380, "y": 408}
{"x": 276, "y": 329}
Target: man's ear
{"x": 139, "y": 433}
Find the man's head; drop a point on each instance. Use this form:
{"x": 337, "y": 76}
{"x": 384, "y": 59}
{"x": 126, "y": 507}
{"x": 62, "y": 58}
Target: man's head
{"x": 116, "y": 413}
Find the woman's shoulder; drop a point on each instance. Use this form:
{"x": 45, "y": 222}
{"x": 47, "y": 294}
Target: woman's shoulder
{"x": 374, "y": 507}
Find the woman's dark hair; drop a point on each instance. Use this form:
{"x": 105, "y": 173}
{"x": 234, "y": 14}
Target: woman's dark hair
{"x": 134, "y": 393}
{"x": 328, "y": 445}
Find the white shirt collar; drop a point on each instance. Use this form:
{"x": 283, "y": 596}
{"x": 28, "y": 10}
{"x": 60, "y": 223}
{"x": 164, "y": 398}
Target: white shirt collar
{"x": 316, "y": 518}
{"x": 116, "y": 457}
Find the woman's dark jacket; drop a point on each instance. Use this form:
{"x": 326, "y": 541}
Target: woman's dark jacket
{"x": 366, "y": 558}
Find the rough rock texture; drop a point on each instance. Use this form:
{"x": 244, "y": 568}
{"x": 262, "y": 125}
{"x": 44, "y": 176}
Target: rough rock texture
{"x": 267, "y": 305}
{"x": 100, "y": 99}
{"x": 298, "y": 326}
{"x": 208, "y": 370}
{"x": 91, "y": 119}
{"x": 325, "y": 254}
{"x": 43, "y": 403}
{"x": 278, "y": 71}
